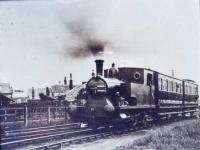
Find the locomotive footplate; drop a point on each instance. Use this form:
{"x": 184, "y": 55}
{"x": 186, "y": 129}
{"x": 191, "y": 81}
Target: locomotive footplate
{"x": 136, "y": 107}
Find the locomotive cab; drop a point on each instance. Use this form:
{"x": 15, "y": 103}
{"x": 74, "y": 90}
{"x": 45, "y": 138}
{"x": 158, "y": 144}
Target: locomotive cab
{"x": 138, "y": 85}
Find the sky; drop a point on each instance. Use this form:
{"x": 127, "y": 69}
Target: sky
{"x": 38, "y": 38}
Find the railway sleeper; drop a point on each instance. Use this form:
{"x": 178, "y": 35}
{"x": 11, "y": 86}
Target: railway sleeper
{"x": 66, "y": 143}
{"x": 42, "y": 148}
{"x": 55, "y": 146}
{"x": 76, "y": 141}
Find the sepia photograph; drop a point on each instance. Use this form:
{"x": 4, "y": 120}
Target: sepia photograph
{"x": 99, "y": 74}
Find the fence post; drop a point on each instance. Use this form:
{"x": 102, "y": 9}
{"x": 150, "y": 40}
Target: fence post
{"x": 26, "y": 116}
{"x": 49, "y": 115}
{"x": 66, "y": 113}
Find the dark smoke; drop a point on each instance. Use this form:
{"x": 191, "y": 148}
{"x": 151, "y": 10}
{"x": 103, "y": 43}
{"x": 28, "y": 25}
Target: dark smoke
{"x": 87, "y": 43}
{"x": 90, "y": 47}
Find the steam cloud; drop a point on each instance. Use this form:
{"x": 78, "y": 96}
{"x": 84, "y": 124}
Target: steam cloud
{"x": 86, "y": 41}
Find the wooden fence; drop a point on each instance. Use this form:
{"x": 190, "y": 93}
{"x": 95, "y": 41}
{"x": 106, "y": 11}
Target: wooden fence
{"x": 32, "y": 116}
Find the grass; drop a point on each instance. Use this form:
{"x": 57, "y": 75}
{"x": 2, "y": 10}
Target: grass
{"x": 181, "y": 136}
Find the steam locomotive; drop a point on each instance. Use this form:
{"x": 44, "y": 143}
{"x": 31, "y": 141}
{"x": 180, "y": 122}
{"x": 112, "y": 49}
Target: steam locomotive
{"x": 133, "y": 95}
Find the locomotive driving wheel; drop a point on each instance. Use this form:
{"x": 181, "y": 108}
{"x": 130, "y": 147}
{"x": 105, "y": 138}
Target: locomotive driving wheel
{"x": 142, "y": 121}
{"x": 145, "y": 121}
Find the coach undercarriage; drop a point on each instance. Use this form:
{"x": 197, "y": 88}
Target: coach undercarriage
{"x": 131, "y": 116}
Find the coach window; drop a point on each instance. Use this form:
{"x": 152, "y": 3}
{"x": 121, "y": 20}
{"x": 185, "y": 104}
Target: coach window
{"x": 167, "y": 85}
{"x": 172, "y": 86}
{"x": 177, "y": 87}
{"x": 186, "y": 89}
{"x": 163, "y": 84}
{"x": 196, "y": 90}
{"x": 190, "y": 89}
{"x": 149, "y": 79}
{"x": 166, "y": 88}
{"x": 159, "y": 80}
{"x": 196, "y": 93}
{"x": 180, "y": 88}
{"x": 193, "y": 90}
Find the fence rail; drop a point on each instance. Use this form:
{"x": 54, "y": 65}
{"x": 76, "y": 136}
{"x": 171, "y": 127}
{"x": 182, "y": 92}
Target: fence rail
{"x": 30, "y": 116}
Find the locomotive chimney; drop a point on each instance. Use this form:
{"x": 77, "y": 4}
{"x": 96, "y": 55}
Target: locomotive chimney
{"x": 70, "y": 82}
{"x": 99, "y": 67}
{"x": 65, "y": 80}
{"x": 93, "y": 74}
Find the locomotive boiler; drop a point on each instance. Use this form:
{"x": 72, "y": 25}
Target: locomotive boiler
{"x": 133, "y": 95}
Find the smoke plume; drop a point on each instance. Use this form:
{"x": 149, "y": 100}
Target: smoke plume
{"x": 85, "y": 40}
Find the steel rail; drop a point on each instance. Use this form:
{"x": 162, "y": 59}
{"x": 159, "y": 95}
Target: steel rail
{"x": 41, "y": 128}
{"x": 42, "y": 138}
{"x": 59, "y": 145}
{"x": 37, "y": 134}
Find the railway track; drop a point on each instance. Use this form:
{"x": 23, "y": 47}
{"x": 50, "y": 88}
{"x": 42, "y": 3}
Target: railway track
{"x": 77, "y": 140}
{"x": 17, "y": 138}
{"x": 66, "y": 136}
{"x": 38, "y": 129}
{"x": 73, "y": 136}
{"x": 102, "y": 133}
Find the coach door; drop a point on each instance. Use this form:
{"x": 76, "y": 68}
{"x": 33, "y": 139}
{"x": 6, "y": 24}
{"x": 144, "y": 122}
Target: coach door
{"x": 150, "y": 87}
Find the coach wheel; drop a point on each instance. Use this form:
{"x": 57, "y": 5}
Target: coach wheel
{"x": 183, "y": 115}
{"x": 129, "y": 124}
{"x": 191, "y": 114}
{"x": 94, "y": 126}
{"x": 174, "y": 117}
{"x": 142, "y": 121}
{"x": 93, "y": 123}
{"x": 198, "y": 115}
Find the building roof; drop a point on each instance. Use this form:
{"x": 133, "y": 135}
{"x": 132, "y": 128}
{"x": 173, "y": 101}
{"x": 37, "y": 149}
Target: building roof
{"x": 5, "y": 88}
{"x": 59, "y": 88}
